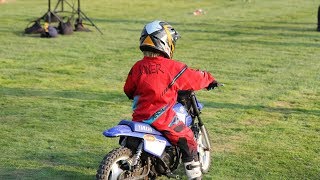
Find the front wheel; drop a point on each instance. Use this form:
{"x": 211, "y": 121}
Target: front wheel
{"x": 204, "y": 152}
{"x": 109, "y": 168}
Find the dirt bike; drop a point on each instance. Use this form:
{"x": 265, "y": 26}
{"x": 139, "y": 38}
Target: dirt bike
{"x": 146, "y": 154}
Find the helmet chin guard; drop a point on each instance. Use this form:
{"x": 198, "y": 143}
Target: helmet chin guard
{"x": 159, "y": 37}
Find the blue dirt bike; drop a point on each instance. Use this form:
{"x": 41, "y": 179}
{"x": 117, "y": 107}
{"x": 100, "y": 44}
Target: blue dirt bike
{"x": 146, "y": 154}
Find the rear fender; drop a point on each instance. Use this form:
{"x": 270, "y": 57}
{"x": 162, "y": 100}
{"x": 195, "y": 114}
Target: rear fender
{"x": 153, "y": 144}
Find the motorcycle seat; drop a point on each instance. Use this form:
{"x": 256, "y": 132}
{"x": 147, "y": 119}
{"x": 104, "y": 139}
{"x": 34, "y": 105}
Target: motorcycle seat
{"x": 140, "y": 127}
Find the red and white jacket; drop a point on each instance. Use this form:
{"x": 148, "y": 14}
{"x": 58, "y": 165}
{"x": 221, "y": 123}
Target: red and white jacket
{"x": 153, "y": 84}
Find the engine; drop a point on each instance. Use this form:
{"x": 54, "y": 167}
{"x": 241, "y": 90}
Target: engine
{"x": 168, "y": 162}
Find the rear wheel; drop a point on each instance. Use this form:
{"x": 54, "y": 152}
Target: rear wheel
{"x": 204, "y": 153}
{"x": 109, "y": 168}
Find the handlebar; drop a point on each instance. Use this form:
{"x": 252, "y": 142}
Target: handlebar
{"x": 220, "y": 84}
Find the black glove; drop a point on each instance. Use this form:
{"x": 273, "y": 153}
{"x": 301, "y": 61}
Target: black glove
{"x": 212, "y": 85}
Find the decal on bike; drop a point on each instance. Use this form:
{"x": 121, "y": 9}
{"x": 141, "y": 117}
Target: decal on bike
{"x": 142, "y": 128}
{"x": 149, "y": 137}
{"x": 153, "y": 145}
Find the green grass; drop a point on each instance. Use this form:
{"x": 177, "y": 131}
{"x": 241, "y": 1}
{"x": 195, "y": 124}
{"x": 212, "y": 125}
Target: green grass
{"x": 58, "y": 95}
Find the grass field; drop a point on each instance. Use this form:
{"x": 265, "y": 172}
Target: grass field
{"x": 58, "y": 95}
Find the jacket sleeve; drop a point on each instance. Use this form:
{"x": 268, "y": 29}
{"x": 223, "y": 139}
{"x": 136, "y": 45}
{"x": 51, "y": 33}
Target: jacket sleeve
{"x": 129, "y": 87}
{"x": 194, "y": 80}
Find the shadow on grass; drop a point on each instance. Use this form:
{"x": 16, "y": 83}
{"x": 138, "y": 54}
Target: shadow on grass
{"x": 275, "y": 25}
{"x": 260, "y": 28}
{"x": 246, "y": 33}
{"x": 117, "y": 21}
{"x": 109, "y": 96}
{"x": 281, "y": 110}
{"x": 112, "y": 96}
{"x": 41, "y": 173}
{"x": 207, "y": 23}
{"x": 267, "y": 43}
{"x": 256, "y": 25}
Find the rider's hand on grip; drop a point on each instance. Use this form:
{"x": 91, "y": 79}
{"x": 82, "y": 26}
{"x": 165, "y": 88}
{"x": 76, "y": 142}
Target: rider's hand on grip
{"x": 212, "y": 85}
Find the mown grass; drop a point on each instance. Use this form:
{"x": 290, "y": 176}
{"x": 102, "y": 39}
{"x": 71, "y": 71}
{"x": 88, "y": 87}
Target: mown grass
{"x": 58, "y": 95}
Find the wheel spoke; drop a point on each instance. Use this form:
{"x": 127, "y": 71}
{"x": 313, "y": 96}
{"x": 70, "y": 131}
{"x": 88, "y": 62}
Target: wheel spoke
{"x": 115, "y": 171}
{"x": 110, "y": 167}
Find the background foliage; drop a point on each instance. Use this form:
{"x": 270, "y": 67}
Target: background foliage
{"x": 58, "y": 95}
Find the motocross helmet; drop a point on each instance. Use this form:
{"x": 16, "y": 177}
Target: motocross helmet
{"x": 159, "y": 36}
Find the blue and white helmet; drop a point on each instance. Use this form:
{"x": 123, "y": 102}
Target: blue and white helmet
{"x": 159, "y": 36}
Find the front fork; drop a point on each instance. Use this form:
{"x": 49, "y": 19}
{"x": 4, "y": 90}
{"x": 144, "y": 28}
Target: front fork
{"x": 206, "y": 138}
{"x": 201, "y": 125}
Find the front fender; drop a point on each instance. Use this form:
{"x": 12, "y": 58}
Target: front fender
{"x": 153, "y": 144}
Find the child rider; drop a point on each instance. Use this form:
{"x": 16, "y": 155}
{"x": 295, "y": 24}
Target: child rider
{"x": 153, "y": 84}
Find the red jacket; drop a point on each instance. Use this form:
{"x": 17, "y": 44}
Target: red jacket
{"x": 153, "y": 83}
